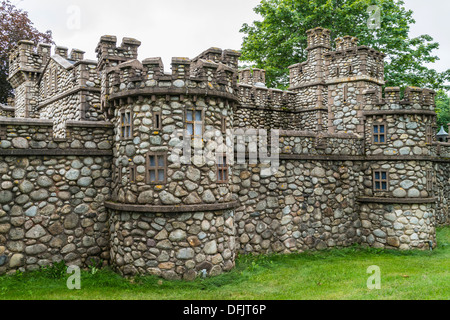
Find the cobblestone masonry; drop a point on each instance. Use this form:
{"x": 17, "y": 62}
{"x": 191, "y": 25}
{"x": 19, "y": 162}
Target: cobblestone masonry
{"x": 89, "y": 173}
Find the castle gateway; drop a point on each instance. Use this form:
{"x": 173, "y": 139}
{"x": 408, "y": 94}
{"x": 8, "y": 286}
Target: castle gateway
{"x": 91, "y": 169}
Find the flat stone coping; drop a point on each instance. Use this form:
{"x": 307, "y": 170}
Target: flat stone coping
{"x": 26, "y": 122}
{"x": 397, "y": 200}
{"x": 399, "y": 112}
{"x": 170, "y": 208}
{"x": 90, "y": 124}
{"x": 55, "y": 152}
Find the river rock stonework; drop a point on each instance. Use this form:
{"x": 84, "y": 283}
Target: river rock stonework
{"x": 99, "y": 160}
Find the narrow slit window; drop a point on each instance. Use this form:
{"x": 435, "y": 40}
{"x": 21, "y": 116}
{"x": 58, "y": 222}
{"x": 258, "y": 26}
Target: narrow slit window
{"x": 222, "y": 170}
{"x": 345, "y": 93}
{"x": 224, "y": 124}
{"x": 120, "y": 174}
{"x": 126, "y": 120}
{"x": 132, "y": 174}
{"x": 156, "y": 168}
{"x": 157, "y": 121}
{"x": 429, "y": 134}
{"x": 429, "y": 180}
{"x": 381, "y": 181}
{"x": 379, "y": 133}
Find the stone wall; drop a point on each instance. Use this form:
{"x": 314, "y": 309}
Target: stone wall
{"x": 174, "y": 246}
{"x": 307, "y": 205}
{"x": 52, "y": 210}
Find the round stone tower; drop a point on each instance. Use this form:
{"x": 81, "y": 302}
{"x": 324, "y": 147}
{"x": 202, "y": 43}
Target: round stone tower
{"x": 172, "y": 210}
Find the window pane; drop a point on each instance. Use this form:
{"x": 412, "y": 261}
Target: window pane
{"x": 382, "y": 139}
{"x": 160, "y": 175}
{"x": 189, "y": 116}
{"x": 377, "y": 185}
{"x": 375, "y": 139}
{"x": 198, "y": 116}
{"x": 382, "y": 129}
{"x": 161, "y": 162}
{"x": 219, "y": 174}
{"x": 152, "y": 161}
{"x": 384, "y": 175}
{"x": 152, "y": 176}
{"x": 377, "y": 175}
{"x": 198, "y": 129}
{"x": 384, "y": 185}
{"x": 190, "y": 128}
{"x": 375, "y": 129}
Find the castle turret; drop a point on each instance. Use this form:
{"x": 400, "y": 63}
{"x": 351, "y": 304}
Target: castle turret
{"x": 162, "y": 121}
{"x": 25, "y": 66}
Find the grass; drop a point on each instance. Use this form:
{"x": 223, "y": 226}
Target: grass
{"x": 338, "y": 274}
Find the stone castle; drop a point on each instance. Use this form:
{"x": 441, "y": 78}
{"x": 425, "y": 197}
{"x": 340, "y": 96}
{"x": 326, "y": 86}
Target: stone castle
{"x": 87, "y": 172}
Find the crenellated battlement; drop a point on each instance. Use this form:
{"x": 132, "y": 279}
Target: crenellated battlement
{"x": 109, "y": 54}
{"x": 28, "y": 57}
{"x": 264, "y": 98}
{"x": 187, "y": 77}
{"x": 414, "y": 98}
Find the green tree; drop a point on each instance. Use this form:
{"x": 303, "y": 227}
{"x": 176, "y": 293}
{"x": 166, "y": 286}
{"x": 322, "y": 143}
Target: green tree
{"x": 443, "y": 109}
{"x": 279, "y": 39}
{"x": 14, "y": 26}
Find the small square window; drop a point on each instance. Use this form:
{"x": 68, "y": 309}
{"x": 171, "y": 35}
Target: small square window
{"x": 194, "y": 122}
{"x": 156, "y": 168}
{"x": 381, "y": 181}
{"x": 379, "y": 133}
{"x": 126, "y": 125}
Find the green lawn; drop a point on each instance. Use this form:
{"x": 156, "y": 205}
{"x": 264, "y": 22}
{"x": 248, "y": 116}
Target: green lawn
{"x": 335, "y": 274}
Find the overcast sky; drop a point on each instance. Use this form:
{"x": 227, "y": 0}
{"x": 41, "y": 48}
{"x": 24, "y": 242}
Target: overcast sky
{"x": 184, "y": 28}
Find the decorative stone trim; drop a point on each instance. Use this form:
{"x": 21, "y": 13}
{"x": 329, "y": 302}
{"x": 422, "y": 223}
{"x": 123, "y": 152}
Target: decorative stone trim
{"x": 170, "y": 209}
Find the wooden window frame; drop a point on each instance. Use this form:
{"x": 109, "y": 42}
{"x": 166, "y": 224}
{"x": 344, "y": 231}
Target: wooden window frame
{"x": 157, "y": 120}
{"x": 380, "y": 180}
{"x": 194, "y": 122}
{"x": 222, "y": 169}
{"x": 125, "y": 126}
{"x": 378, "y": 134}
{"x": 156, "y": 168}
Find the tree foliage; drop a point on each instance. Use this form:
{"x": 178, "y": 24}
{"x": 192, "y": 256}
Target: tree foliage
{"x": 279, "y": 39}
{"x": 443, "y": 109}
{"x": 15, "y": 25}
